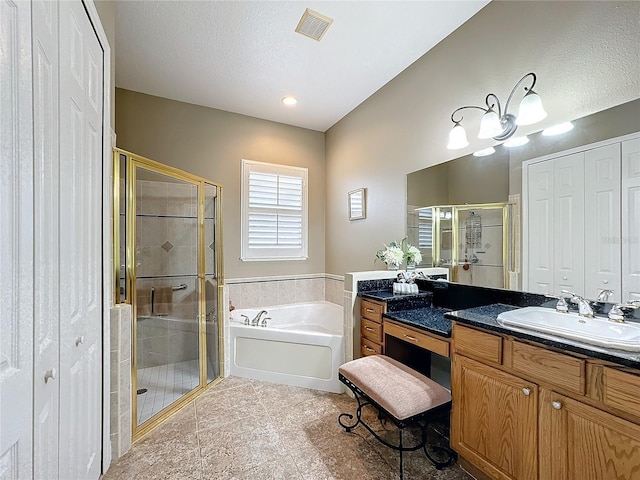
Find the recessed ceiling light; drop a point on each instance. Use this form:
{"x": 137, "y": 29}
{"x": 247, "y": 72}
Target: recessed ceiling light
{"x": 516, "y": 141}
{"x": 484, "y": 152}
{"x": 558, "y": 129}
{"x": 290, "y": 101}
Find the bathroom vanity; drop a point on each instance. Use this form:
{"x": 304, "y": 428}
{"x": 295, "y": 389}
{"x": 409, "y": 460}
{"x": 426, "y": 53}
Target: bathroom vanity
{"x": 525, "y": 405}
{"x": 529, "y": 407}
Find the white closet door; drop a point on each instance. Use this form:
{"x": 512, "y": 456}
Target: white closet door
{"x": 602, "y": 221}
{"x": 46, "y": 271}
{"x": 631, "y": 220}
{"x": 81, "y": 85}
{"x": 540, "y": 235}
{"x": 568, "y": 240}
{"x": 16, "y": 247}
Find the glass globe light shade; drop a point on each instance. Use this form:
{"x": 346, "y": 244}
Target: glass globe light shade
{"x": 490, "y": 125}
{"x": 457, "y": 138}
{"x": 531, "y": 110}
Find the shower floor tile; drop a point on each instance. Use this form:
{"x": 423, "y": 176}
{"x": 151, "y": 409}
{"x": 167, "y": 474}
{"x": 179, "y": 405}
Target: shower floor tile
{"x": 246, "y": 429}
{"x": 165, "y": 384}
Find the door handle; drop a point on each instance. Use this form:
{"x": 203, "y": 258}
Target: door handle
{"x": 49, "y": 375}
{"x": 79, "y": 340}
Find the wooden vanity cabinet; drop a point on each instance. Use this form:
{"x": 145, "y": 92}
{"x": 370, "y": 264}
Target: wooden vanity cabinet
{"x": 510, "y": 420}
{"x": 581, "y": 442}
{"x": 494, "y": 422}
{"x": 371, "y": 336}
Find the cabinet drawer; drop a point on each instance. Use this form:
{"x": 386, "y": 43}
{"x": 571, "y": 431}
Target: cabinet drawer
{"x": 475, "y": 344}
{"x": 441, "y": 347}
{"x": 372, "y": 311}
{"x": 621, "y": 390}
{"x": 551, "y": 367}
{"x": 371, "y": 330}
{"x": 367, "y": 347}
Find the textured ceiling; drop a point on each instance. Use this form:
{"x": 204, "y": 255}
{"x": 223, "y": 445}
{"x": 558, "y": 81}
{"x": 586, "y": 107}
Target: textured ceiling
{"x": 244, "y": 56}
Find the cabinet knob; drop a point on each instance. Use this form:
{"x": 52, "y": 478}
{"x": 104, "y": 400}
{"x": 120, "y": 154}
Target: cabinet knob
{"x": 526, "y": 391}
{"x": 605, "y": 281}
{"x": 79, "y": 340}
{"x": 564, "y": 278}
{"x": 49, "y": 375}
{"x": 557, "y": 405}
{"x": 369, "y": 329}
{"x": 368, "y": 349}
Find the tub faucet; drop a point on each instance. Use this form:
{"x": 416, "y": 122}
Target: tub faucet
{"x": 256, "y": 320}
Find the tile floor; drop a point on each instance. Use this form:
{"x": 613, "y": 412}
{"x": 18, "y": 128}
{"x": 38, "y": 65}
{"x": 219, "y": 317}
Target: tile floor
{"x": 165, "y": 384}
{"x": 245, "y": 429}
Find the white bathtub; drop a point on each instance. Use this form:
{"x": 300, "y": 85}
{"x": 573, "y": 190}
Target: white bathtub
{"x": 302, "y": 345}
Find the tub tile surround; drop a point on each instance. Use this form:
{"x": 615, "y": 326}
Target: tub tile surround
{"x": 246, "y": 429}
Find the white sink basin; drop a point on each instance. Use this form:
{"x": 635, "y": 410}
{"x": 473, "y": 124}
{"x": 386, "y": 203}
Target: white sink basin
{"x": 596, "y": 331}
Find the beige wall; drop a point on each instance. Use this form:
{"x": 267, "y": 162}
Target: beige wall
{"x": 211, "y": 143}
{"x": 586, "y": 56}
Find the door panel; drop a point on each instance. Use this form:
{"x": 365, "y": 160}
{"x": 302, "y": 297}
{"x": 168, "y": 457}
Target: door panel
{"x": 568, "y": 215}
{"x": 16, "y": 240}
{"x": 80, "y": 246}
{"x": 46, "y": 218}
{"x": 602, "y": 221}
{"x": 631, "y": 223}
{"x": 540, "y": 236}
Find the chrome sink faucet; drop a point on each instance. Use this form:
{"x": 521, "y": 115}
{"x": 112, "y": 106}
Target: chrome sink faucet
{"x": 584, "y": 308}
{"x": 617, "y": 315}
{"x": 256, "y": 320}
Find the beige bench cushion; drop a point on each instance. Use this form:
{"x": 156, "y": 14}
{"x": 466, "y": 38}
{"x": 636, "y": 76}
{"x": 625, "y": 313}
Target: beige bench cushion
{"x": 398, "y": 389}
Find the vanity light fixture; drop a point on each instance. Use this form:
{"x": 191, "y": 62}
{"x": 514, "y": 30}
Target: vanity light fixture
{"x": 558, "y": 129}
{"x": 289, "y": 101}
{"x": 484, "y": 152}
{"x": 516, "y": 142}
{"x": 496, "y": 123}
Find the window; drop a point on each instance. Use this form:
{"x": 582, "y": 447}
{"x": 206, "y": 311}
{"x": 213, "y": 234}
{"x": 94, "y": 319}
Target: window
{"x": 425, "y": 228}
{"x": 274, "y": 212}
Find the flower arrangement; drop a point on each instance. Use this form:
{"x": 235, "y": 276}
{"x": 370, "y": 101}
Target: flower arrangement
{"x": 395, "y": 253}
{"x": 391, "y": 254}
{"x": 413, "y": 255}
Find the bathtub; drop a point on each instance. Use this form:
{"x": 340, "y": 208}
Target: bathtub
{"x": 302, "y": 345}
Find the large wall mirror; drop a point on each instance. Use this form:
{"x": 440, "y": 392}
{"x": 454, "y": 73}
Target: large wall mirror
{"x": 454, "y": 212}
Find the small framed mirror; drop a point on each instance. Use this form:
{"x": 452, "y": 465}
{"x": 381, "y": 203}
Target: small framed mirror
{"x": 357, "y": 204}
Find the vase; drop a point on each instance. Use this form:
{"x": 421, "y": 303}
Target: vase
{"x": 392, "y": 266}
{"x": 411, "y": 265}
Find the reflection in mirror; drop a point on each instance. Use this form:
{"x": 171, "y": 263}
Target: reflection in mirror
{"x": 357, "y": 204}
{"x": 496, "y": 178}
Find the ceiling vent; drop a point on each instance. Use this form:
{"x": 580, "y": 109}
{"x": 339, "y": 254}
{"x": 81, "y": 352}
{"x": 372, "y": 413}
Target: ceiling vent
{"x": 313, "y": 24}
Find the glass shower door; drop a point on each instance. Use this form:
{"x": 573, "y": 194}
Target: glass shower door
{"x": 165, "y": 289}
{"x": 212, "y": 292}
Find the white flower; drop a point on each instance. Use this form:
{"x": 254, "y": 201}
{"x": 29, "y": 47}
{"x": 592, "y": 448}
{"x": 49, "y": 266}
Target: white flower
{"x": 413, "y": 254}
{"x": 393, "y": 256}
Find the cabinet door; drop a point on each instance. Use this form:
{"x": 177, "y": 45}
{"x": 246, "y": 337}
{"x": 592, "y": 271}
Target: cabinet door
{"x": 494, "y": 420}
{"x": 631, "y": 220}
{"x": 602, "y": 221}
{"x": 580, "y": 442}
{"x": 568, "y": 239}
{"x": 540, "y": 231}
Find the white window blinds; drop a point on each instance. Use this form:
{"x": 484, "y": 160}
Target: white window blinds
{"x": 425, "y": 228}
{"x": 274, "y": 209}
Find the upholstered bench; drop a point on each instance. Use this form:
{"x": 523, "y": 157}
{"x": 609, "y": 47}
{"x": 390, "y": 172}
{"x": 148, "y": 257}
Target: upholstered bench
{"x": 400, "y": 393}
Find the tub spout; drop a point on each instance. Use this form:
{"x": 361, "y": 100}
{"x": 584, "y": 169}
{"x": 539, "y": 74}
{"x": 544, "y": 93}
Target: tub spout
{"x": 256, "y": 320}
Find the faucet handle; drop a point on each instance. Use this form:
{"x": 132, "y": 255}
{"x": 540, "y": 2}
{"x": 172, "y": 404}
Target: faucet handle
{"x": 604, "y": 295}
{"x": 562, "y": 305}
{"x": 246, "y": 319}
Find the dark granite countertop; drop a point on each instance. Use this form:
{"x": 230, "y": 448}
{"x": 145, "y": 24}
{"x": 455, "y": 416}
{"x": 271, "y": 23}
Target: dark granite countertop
{"x": 397, "y": 301}
{"x": 430, "y": 319}
{"x": 486, "y": 317}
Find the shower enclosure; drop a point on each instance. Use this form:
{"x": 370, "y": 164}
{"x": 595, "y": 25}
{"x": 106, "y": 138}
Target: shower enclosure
{"x": 168, "y": 268}
{"x": 473, "y": 241}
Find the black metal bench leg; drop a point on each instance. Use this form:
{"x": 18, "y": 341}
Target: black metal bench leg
{"x": 401, "y": 450}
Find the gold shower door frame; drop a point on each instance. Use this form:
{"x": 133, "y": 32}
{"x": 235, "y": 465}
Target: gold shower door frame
{"x": 132, "y": 162}
{"x": 507, "y": 240}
